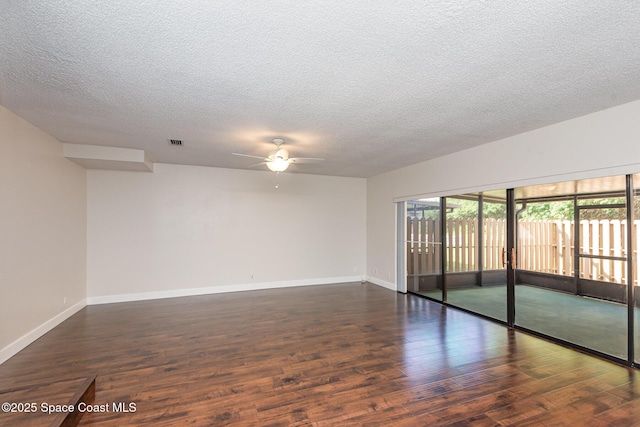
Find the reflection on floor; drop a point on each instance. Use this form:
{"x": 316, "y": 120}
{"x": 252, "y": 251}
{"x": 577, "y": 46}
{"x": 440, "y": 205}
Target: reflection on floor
{"x": 592, "y": 323}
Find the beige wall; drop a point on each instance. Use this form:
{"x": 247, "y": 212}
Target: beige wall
{"x": 185, "y": 230}
{"x": 599, "y": 144}
{"x": 42, "y": 234}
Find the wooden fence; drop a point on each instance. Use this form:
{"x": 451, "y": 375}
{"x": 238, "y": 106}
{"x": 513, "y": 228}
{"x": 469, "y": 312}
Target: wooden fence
{"x": 461, "y": 247}
{"x": 543, "y": 246}
{"x": 548, "y": 247}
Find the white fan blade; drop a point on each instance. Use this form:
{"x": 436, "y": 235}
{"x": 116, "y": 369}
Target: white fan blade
{"x": 258, "y": 164}
{"x": 247, "y": 155}
{"x": 305, "y": 159}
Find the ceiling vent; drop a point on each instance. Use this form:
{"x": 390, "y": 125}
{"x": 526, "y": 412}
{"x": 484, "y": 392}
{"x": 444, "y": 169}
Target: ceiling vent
{"x": 175, "y": 141}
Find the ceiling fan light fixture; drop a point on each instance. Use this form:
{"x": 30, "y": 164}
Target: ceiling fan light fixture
{"x": 279, "y": 160}
{"x": 278, "y": 164}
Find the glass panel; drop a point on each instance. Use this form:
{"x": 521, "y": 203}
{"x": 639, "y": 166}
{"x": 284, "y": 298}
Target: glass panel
{"x": 595, "y": 201}
{"x": 588, "y": 309}
{"x": 603, "y": 270}
{"x": 462, "y": 235}
{"x": 545, "y": 237}
{"x": 603, "y": 233}
{"x": 475, "y": 239}
{"x": 424, "y": 272}
{"x": 494, "y": 270}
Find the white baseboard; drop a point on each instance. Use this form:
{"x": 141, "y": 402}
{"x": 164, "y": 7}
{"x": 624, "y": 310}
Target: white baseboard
{"x": 108, "y": 299}
{"x": 22, "y": 342}
{"x": 382, "y": 283}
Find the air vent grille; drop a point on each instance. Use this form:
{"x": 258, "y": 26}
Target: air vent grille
{"x": 175, "y": 141}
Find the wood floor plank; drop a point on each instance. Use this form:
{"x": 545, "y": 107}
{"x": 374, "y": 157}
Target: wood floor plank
{"x": 347, "y": 354}
{"x": 537, "y": 404}
{"x": 627, "y": 414}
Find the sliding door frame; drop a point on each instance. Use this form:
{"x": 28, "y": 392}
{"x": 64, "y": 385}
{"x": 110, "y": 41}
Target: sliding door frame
{"x": 631, "y": 300}
{"x": 512, "y": 265}
{"x": 511, "y": 257}
{"x": 401, "y": 247}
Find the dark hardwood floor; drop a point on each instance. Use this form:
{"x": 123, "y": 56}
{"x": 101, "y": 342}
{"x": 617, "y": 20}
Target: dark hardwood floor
{"x": 332, "y": 355}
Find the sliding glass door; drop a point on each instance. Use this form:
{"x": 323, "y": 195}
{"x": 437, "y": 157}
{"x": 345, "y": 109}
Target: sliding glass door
{"x": 424, "y": 247}
{"x": 558, "y": 259}
{"x": 475, "y": 274}
{"x": 572, "y": 270}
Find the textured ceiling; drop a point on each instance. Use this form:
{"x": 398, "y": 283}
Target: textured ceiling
{"x": 369, "y": 86}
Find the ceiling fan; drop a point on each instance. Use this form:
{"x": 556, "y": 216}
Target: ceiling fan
{"x": 279, "y": 160}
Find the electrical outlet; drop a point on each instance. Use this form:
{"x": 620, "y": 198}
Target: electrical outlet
{"x": 252, "y": 276}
